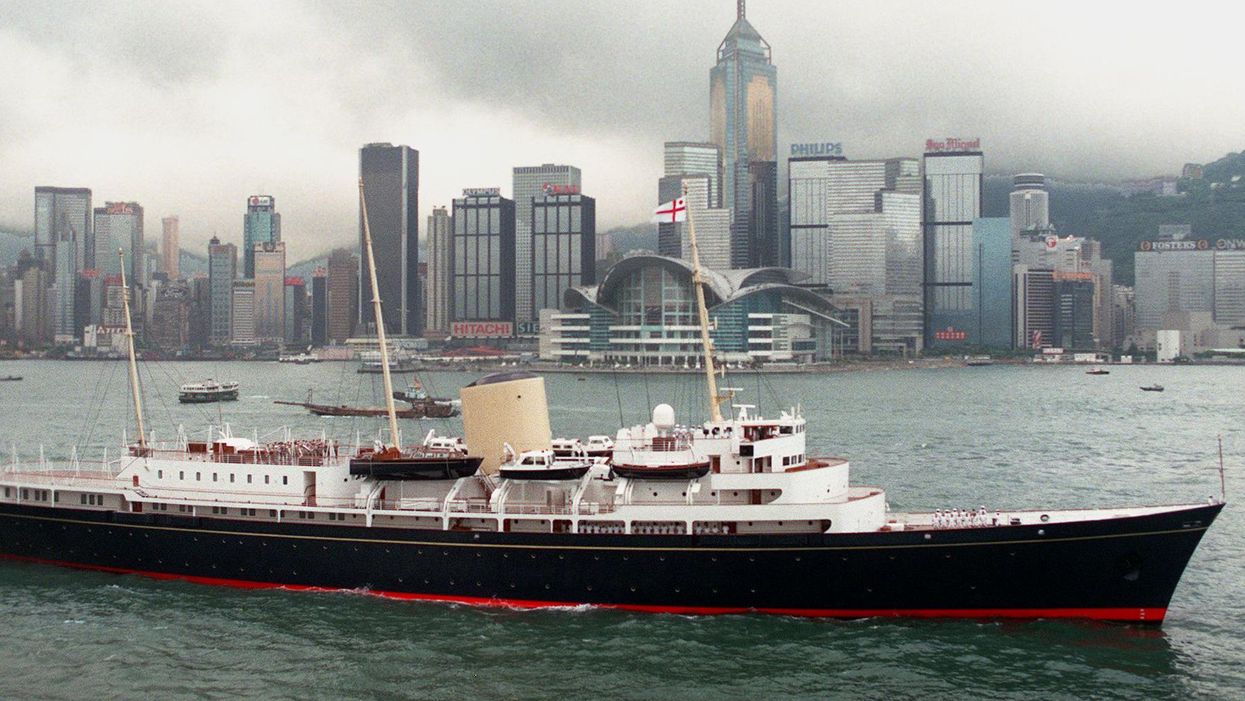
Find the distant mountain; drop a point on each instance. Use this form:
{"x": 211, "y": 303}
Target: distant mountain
{"x": 12, "y": 244}
{"x": 1214, "y": 205}
{"x": 633, "y": 238}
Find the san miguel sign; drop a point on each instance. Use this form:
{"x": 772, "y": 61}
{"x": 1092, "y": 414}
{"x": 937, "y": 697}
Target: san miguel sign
{"x": 481, "y": 329}
{"x": 951, "y": 144}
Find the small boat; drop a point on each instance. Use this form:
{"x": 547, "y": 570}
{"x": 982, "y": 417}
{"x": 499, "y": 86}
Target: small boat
{"x": 10, "y": 378}
{"x": 207, "y": 391}
{"x": 600, "y": 447}
{"x": 1097, "y": 371}
{"x": 978, "y": 361}
{"x": 398, "y": 362}
{"x": 299, "y": 359}
{"x": 1152, "y": 388}
{"x": 566, "y": 447}
{"x": 543, "y": 465}
{"x": 437, "y": 458}
{"x": 668, "y": 454}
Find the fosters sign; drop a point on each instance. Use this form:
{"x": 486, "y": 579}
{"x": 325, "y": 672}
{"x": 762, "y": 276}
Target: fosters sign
{"x": 481, "y": 329}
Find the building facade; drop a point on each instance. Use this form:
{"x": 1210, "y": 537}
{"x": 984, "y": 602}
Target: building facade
{"x": 222, "y": 271}
{"x": 437, "y": 300}
{"x": 320, "y": 308}
{"x": 269, "y": 300}
{"x": 119, "y": 225}
{"x": 563, "y": 245}
{"x": 242, "y": 321}
{"x": 170, "y": 247}
{"x": 60, "y": 211}
{"x": 531, "y": 182}
{"x": 743, "y": 88}
{"x": 483, "y": 279}
{"x": 261, "y": 225}
{"x": 391, "y": 183}
{"x": 952, "y": 200}
{"x": 696, "y": 158}
{"x": 342, "y": 290}
{"x": 1029, "y": 204}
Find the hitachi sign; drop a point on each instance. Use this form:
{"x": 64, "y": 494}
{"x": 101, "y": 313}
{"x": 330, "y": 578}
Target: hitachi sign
{"x": 825, "y": 148}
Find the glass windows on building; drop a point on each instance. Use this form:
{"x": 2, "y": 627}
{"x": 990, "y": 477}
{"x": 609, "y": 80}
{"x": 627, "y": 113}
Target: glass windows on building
{"x": 484, "y": 259}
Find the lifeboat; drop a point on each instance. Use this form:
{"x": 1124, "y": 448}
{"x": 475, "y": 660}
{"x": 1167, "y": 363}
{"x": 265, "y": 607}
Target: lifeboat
{"x": 544, "y": 465}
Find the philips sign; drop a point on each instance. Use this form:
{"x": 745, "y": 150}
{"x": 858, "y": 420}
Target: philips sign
{"x": 825, "y": 148}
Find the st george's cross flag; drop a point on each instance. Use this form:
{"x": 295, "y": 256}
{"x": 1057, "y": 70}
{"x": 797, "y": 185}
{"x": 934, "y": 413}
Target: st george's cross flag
{"x": 670, "y": 212}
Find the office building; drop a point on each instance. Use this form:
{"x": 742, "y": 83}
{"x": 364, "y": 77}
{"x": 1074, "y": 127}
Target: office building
{"x": 1033, "y": 299}
{"x": 269, "y": 292}
{"x": 320, "y": 307}
{"x": 342, "y": 295}
{"x": 297, "y": 314}
{"x": 119, "y": 225}
{"x": 437, "y": 291}
{"x": 483, "y": 279}
{"x": 1074, "y": 311}
{"x": 200, "y": 311}
{"x": 743, "y": 124}
{"x": 222, "y": 271}
{"x": 1029, "y": 204}
{"x": 764, "y": 246}
{"x": 88, "y": 300}
{"x": 531, "y": 182}
{"x": 170, "y": 316}
{"x": 242, "y": 322}
{"x": 1184, "y": 275}
{"x": 61, "y": 211}
{"x": 713, "y": 225}
{"x": 170, "y": 247}
{"x": 952, "y": 202}
{"x": 261, "y": 225}
{"x": 32, "y": 305}
{"x": 64, "y": 281}
{"x": 391, "y": 182}
{"x": 696, "y": 158}
{"x": 563, "y": 247}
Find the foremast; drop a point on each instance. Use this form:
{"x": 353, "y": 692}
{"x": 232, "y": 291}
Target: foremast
{"x": 129, "y": 338}
{"x": 706, "y": 342}
{"x": 380, "y": 323}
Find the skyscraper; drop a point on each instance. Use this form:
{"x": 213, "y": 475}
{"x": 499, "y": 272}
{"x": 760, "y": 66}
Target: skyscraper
{"x": 693, "y": 158}
{"x": 952, "y": 201}
{"x": 743, "y": 123}
{"x": 120, "y": 225}
{"x": 1029, "y": 204}
{"x": 222, "y": 270}
{"x": 319, "y": 307}
{"x": 242, "y": 324}
{"x": 391, "y": 183}
{"x": 437, "y": 301}
{"x": 484, "y": 257}
{"x": 59, "y": 210}
{"x": 530, "y": 182}
{"x": 260, "y": 225}
{"x": 342, "y": 295}
{"x": 564, "y": 234}
{"x": 63, "y": 287}
{"x": 170, "y": 247}
{"x": 269, "y": 261}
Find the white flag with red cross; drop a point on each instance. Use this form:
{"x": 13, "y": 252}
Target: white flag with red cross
{"x": 670, "y": 212}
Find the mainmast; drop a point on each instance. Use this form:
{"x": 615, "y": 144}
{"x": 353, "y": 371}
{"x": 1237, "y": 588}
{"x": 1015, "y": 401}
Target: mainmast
{"x": 698, "y": 279}
{"x": 380, "y": 322}
{"x": 129, "y": 337}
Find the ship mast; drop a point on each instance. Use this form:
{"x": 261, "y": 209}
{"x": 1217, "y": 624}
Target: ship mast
{"x": 129, "y": 337}
{"x": 698, "y": 279}
{"x": 380, "y": 322}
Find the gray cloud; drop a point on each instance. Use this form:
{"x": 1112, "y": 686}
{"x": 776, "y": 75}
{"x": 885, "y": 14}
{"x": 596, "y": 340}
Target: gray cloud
{"x": 190, "y": 107}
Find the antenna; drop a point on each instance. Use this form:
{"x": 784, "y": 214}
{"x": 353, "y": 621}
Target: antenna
{"x": 741, "y": 9}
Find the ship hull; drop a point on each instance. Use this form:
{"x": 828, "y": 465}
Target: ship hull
{"x": 1123, "y": 569}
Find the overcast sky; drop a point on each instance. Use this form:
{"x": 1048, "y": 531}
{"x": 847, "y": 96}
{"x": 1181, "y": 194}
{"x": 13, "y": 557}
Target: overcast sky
{"x": 188, "y": 108}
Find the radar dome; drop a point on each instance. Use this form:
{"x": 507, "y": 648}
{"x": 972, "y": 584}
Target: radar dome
{"x": 663, "y": 417}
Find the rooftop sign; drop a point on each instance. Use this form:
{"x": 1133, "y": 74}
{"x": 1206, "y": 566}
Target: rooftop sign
{"x": 481, "y": 192}
{"x": 824, "y": 148}
{"x": 952, "y": 144}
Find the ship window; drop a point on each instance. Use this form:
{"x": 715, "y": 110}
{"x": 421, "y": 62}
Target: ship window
{"x": 82, "y": 499}
{"x": 213, "y": 476}
{"x": 6, "y": 492}
{"x": 181, "y": 474}
{"x": 248, "y": 478}
{"x": 272, "y": 513}
{"x": 231, "y": 477}
{"x": 265, "y": 479}
{"x": 198, "y": 475}
{"x": 160, "y": 474}
{"x": 285, "y": 480}
{"x": 25, "y": 493}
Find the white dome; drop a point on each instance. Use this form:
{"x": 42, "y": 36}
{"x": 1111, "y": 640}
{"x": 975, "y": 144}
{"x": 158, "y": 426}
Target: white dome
{"x": 663, "y": 417}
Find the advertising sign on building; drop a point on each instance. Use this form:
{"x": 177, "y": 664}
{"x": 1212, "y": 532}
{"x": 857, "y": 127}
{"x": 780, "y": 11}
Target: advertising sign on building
{"x": 1189, "y": 245}
{"x": 529, "y": 328}
{"x": 481, "y": 192}
{"x": 119, "y": 208}
{"x": 559, "y": 189}
{"x": 952, "y": 144}
{"x": 824, "y": 148}
{"x": 481, "y": 329}
{"x": 260, "y": 201}
{"x": 951, "y": 334}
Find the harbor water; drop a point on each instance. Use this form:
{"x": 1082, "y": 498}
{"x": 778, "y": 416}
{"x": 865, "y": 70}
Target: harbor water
{"x": 999, "y": 436}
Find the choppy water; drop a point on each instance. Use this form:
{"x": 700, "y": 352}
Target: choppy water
{"x": 1000, "y": 436}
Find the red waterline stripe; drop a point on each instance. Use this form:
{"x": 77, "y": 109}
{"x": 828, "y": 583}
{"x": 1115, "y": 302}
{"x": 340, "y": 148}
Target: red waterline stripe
{"x": 1154, "y": 614}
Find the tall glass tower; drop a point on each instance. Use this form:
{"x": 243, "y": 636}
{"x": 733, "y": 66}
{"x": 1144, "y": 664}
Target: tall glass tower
{"x": 391, "y": 181}
{"x": 743, "y": 118}
{"x": 262, "y": 224}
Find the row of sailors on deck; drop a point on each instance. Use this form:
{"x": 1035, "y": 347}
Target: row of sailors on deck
{"x": 964, "y": 518}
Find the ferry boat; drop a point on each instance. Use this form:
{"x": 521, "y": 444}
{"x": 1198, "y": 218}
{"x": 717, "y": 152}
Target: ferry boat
{"x": 207, "y": 391}
{"x": 765, "y": 528}
{"x": 299, "y": 359}
{"x": 1097, "y": 371}
{"x": 399, "y": 362}
{"x": 1156, "y": 387}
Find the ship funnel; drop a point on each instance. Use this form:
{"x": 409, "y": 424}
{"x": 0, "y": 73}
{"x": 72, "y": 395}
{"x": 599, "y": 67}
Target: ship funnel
{"x": 663, "y": 417}
{"x": 501, "y": 408}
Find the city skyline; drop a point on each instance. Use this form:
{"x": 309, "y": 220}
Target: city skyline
{"x": 232, "y": 122}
